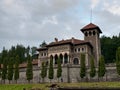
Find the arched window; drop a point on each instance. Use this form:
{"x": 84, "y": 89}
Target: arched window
{"x": 76, "y": 61}
{"x": 51, "y": 57}
{"x": 75, "y": 50}
{"x": 90, "y": 33}
{"x": 65, "y": 58}
{"x": 94, "y": 32}
{"x": 86, "y": 34}
{"x": 82, "y": 49}
{"x": 56, "y": 58}
{"x": 61, "y": 58}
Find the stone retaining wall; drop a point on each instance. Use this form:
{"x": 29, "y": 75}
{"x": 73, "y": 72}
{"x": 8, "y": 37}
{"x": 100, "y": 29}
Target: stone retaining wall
{"x": 69, "y": 74}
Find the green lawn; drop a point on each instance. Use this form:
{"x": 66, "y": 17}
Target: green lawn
{"x": 43, "y": 86}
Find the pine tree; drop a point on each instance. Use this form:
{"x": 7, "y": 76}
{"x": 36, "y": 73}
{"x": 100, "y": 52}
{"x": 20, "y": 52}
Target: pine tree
{"x": 118, "y": 60}
{"x": 29, "y": 71}
{"x": 51, "y": 70}
{"x": 10, "y": 69}
{"x": 101, "y": 67}
{"x": 59, "y": 69}
{"x": 92, "y": 68}
{"x": 16, "y": 70}
{"x": 83, "y": 68}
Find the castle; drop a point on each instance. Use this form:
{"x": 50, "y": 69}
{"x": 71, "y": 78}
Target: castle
{"x": 69, "y": 53}
{"x": 69, "y": 50}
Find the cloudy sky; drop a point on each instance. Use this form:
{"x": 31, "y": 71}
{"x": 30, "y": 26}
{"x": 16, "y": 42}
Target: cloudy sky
{"x": 30, "y": 22}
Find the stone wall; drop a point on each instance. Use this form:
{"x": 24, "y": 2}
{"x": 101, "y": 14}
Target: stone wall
{"x": 70, "y": 73}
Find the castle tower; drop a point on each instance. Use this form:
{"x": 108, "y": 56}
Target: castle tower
{"x": 91, "y": 34}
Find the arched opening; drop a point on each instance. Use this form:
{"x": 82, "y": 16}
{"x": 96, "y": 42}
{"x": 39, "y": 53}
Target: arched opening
{"x": 86, "y": 34}
{"x": 56, "y": 58}
{"x": 78, "y": 49}
{"x": 61, "y": 58}
{"x": 65, "y": 58}
{"x": 94, "y": 32}
{"x": 51, "y": 57}
{"x": 90, "y": 33}
{"x": 76, "y": 61}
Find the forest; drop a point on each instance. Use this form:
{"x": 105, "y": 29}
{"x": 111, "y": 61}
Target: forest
{"x": 109, "y": 46}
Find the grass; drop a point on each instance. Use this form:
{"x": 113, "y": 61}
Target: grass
{"x": 43, "y": 86}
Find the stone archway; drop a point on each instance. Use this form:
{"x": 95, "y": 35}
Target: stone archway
{"x": 56, "y": 58}
{"x": 51, "y": 57}
{"x": 61, "y": 58}
{"x": 76, "y": 61}
{"x": 65, "y": 58}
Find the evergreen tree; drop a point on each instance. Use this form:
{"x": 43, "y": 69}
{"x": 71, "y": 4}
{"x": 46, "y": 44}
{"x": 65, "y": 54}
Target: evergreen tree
{"x": 101, "y": 67}
{"x": 4, "y": 60}
{"x": 51, "y": 70}
{"x": 46, "y": 69}
{"x": 16, "y": 70}
{"x": 4, "y": 69}
{"x": 21, "y": 51}
{"x": 29, "y": 71}
{"x": 83, "y": 67}
{"x": 43, "y": 71}
{"x": 10, "y": 69}
{"x": 59, "y": 68}
{"x": 43, "y": 44}
{"x": 92, "y": 68}
{"x": 118, "y": 60}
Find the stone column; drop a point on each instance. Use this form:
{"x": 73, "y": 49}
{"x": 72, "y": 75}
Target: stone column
{"x": 86, "y": 61}
{"x": 68, "y": 58}
{"x": 63, "y": 59}
{"x": 39, "y": 64}
{"x": 53, "y": 60}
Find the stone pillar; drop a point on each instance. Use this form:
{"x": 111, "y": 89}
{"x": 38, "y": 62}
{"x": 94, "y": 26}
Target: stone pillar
{"x": 53, "y": 60}
{"x": 39, "y": 64}
{"x": 68, "y": 58}
{"x": 63, "y": 60}
{"x": 86, "y": 59}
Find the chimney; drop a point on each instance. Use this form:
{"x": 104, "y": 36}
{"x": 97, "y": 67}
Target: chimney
{"x": 56, "y": 40}
{"x": 72, "y": 39}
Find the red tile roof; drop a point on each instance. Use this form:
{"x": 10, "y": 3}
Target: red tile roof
{"x": 41, "y": 49}
{"x": 72, "y": 41}
{"x": 24, "y": 65}
{"x": 91, "y": 26}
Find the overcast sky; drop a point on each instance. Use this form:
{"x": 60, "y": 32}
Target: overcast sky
{"x": 30, "y": 22}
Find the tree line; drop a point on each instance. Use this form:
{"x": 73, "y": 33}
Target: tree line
{"x": 109, "y": 46}
{"x": 19, "y": 50}
{"x": 11, "y": 70}
{"x": 10, "y": 60}
{"x": 10, "y": 67}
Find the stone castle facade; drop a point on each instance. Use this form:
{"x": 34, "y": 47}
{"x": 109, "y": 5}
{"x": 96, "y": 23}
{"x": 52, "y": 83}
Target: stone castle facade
{"x": 69, "y": 50}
